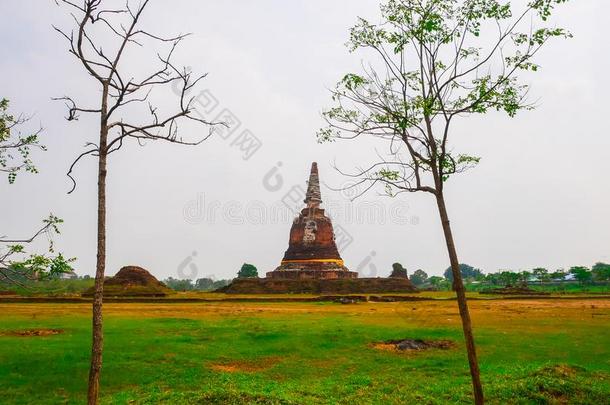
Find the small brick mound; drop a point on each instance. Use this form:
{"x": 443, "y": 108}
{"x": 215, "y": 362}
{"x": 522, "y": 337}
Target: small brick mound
{"x": 132, "y": 281}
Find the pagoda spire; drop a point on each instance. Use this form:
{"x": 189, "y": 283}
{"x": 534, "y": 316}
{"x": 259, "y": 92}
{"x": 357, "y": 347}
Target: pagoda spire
{"x": 313, "y": 198}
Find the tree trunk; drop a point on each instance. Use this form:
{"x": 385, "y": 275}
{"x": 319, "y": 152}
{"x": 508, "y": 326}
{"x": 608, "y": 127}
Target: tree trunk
{"x": 458, "y": 286}
{"x": 98, "y": 335}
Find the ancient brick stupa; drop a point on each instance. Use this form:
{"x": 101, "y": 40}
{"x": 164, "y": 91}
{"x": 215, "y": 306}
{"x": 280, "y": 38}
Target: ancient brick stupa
{"x": 312, "y": 252}
{"x": 312, "y": 264}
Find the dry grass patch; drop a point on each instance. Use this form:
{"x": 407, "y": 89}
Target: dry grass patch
{"x": 244, "y": 366}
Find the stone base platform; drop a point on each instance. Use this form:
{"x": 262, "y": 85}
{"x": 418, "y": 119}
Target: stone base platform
{"x": 318, "y": 286}
{"x": 331, "y": 269}
{"x": 306, "y": 274}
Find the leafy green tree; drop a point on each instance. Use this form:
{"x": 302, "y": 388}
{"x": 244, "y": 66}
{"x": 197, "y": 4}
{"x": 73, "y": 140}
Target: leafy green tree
{"x": 523, "y": 277}
{"x": 436, "y": 61}
{"x": 438, "y": 282}
{"x": 179, "y": 284}
{"x": 419, "y": 277}
{"x": 208, "y": 284}
{"x": 398, "y": 271}
{"x": 204, "y": 284}
{"x": 581, "y": 273}
{"x": 247, "y": 271}
{"x": 541, "y": 274}
{"x": 558, "y": 275}
{"x": 601, "y": 271}
{"x": 17, "y": 265}
{"x": 15, "y": 147}
{"x": 492, "y": 278}
{"x": 508, "y": 278}
{"x": 466, "y": 270}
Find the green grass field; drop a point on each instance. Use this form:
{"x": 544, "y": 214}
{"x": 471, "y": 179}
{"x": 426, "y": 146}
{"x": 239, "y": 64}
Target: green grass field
{"x": 531, "y": 351}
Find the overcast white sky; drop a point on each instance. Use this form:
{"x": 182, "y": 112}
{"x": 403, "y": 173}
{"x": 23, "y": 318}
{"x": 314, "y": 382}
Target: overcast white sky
{"x": 539, "y": 197}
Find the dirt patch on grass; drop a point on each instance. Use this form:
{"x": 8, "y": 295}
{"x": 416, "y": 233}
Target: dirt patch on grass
{"x": 32, "y": 332}
{"x": 401, "y": 345}
{"x": 244, "y": 366}
{"x": 513, "y": 291}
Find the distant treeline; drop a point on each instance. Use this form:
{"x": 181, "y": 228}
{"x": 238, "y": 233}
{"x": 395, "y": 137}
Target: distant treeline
{"x": 73, "y": 284}
{"x": 598, "y": 274}
{"x": 201, "y": 284}
{"x": 48, "y": 286}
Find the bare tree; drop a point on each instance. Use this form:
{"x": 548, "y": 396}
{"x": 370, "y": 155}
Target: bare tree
{"x": 436, "y": 61}
{"x": 104, "y": 61}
